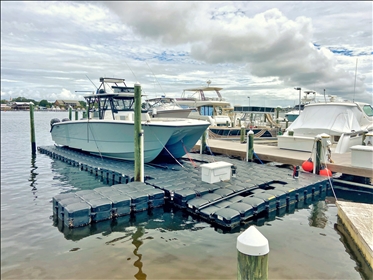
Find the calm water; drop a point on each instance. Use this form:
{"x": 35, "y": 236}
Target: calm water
{"x": 165, "y": 244}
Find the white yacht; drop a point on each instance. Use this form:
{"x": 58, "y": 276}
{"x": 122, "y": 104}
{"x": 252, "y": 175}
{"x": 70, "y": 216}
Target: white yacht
{"x": 344, "y": 122}
{"x": 215, "y": 109}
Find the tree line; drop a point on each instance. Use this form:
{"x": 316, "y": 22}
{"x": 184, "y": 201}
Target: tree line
{"x": 41, "y": 103}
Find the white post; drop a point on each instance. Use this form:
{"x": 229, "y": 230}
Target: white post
{"x": 253, "y": 249}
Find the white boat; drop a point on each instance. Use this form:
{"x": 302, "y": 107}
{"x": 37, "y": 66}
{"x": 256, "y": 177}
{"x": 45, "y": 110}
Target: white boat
{"x": 109, "y": 129}
{"x": 344, "y": 122}
{"x": 166, "y": 107}
{"x": 216, "y": 110}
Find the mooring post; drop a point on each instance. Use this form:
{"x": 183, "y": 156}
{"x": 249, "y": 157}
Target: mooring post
{"x": 76, "y": 114}
{"x": 250, "y": 146}
{"x": 202, "y": 147}
{"x": 318, "y": 156}
{"x": 253, "y": 250}
{"x": 138, "y": 153}
{"x": 242, "y": 134}
{"x": 70, "y": 113}
{"x": 32, "y": 126}
{"x": 277, "y": 114}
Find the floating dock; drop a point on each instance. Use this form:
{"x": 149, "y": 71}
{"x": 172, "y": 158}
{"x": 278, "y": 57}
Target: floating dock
{"x": 342, "y": 162}
{"x": 253, "y": 189}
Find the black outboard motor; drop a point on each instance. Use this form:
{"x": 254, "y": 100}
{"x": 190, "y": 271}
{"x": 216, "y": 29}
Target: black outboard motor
{"x": 53, "y": 121}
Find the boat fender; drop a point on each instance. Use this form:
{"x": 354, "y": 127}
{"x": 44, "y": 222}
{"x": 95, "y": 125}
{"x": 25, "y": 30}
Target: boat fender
{"x": 307, "y": 165}
{"x": 325, "y": 172}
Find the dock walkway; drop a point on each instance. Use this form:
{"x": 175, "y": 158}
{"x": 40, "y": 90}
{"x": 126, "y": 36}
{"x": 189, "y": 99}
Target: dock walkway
{"x": 268, "y": 153}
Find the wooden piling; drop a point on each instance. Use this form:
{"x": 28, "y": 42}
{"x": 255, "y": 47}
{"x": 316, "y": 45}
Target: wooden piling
{"x": 137, "y": 136}
{"x": 250, "y": 146}
{"x": 32, "y": 126}
{"x": 242, "y": 135}
{"x": 252, "y": 259}
{"x": 70, "y": 113}
{"x": 76, "y": 115}
{"x": 203, "y": 142}
{"x": 318, "y": 156}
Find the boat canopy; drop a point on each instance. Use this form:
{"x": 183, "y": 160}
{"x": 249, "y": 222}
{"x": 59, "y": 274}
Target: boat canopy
{"x": 330, "y": 118}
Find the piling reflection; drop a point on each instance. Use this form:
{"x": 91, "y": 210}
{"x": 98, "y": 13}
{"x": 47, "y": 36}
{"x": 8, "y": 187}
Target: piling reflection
{"x": 33, "y": 175}
{"x": 318, "y": 217}
{"x": 137, "y": 242}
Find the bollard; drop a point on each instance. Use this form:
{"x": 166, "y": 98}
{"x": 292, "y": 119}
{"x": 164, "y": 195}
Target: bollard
{"x": 250, "y": 146}
{"x": 32, "y": 126}
{"x": 70, "y": 113}
{"x": 138, "y": 138}
{"x": 202, "y": 147}
{"x": 252, "y": 259}
{"x": 76, "y": 115}
{"x": 242, "y": 135}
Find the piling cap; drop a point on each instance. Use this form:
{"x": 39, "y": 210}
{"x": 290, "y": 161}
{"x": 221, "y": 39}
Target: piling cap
{"x": 251, "y": 242}
{"x": 137, "y": 84}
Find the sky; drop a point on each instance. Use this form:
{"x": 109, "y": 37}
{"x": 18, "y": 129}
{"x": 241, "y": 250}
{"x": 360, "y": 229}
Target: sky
{"x": 257, "y": 51}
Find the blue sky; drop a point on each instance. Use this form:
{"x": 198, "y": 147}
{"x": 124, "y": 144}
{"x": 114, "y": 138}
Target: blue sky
{"x": 261, "y": 50}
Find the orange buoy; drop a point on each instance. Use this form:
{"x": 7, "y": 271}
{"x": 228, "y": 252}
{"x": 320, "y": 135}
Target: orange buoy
{"x": 325, "y": 172}
{"x": 308, "y": 165}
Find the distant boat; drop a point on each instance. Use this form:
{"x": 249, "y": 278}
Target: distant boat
{"x": 166, "y": 107}
{"x": 109, "y": 129}
{"x": 216, "y": 110}
{"x": 344, "y": 122}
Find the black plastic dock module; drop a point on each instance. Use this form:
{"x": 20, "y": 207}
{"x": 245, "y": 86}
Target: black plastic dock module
{"x": 77, "y": 214}
{"x": 227, "y": 217}
{"x": 208, "y": 212}
{"x": 270, "y": 199}
{"x": 280, "y": 195}
{"x": 64, "y": 202}
{"x": 181, "y": 197}
{"x": 101, "y": 209}
{"x": 56, "y": 199}
{"x": 223, "y": 192}
{"x": 246, "y": 210}
{"x": 257, "y": 203}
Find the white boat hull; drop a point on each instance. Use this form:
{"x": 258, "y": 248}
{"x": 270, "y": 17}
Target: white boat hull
{"x": 115, "y": 139}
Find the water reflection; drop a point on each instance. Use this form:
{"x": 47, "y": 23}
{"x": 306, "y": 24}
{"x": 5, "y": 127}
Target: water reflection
{"x": 318, "y": 217}
{"x": 138, "y": 242}
{"x": 33, "y": 175}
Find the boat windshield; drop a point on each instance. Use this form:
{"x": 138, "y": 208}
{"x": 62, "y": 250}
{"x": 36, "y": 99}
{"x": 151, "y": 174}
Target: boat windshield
{"x": 368, "y": 110}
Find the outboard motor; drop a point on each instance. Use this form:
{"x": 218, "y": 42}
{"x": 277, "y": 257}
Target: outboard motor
{"x": 53, "y": 121}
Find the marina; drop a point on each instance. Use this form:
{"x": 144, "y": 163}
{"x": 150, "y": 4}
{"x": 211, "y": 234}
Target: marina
{"x": 166, "y": 242}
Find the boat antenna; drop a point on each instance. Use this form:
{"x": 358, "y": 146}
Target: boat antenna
{"x": 353, "y": 99}
{"x": 91, "y": 81}
{"x": 156, "y": 79}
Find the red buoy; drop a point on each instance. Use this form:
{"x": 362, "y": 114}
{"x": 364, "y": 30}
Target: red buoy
{"x": 325, "y": 172}
{"x": 308, "y": 165}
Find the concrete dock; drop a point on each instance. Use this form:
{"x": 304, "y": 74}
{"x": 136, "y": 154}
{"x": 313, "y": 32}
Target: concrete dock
{"x": 270, "y": 153}
{"x": 357, "y": 218}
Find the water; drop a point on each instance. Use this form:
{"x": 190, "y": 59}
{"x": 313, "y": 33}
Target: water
{"x": 164, "y": 244}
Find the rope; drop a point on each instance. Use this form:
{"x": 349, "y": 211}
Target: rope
{"x": 164, "y": 147}
{"x": 188, "y": 155}
{"x": 330, "y": 182}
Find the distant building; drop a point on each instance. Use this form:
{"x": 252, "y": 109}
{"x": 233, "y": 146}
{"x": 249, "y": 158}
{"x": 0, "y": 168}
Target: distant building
{"x": 5, "y": 107}
{"x": 66, "y": 103}
{"x": 21, "y": 105}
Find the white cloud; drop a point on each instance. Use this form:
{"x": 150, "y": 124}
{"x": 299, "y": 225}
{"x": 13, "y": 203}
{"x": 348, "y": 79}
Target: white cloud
{"x": 261, "y": 49}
